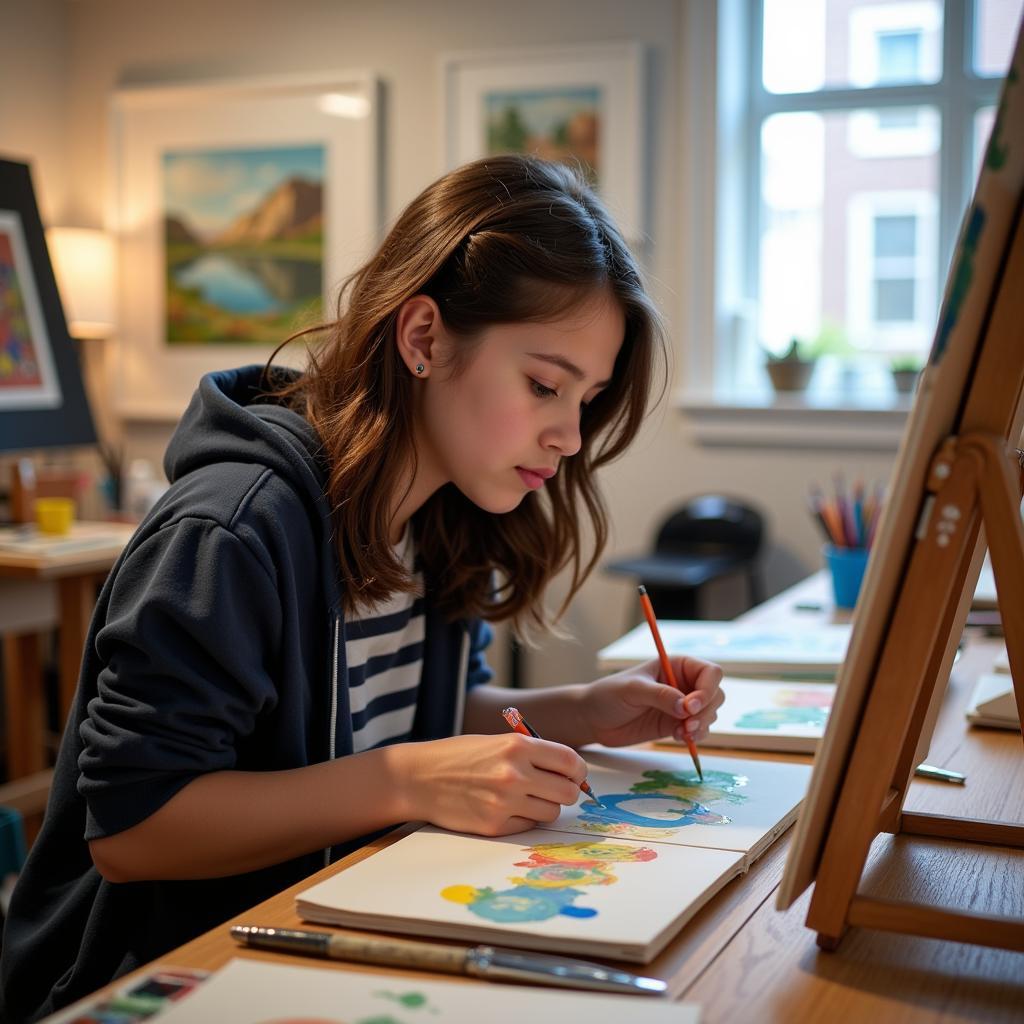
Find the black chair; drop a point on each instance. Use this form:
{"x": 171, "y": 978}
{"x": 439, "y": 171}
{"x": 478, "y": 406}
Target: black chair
{"x": 710, "y": 537}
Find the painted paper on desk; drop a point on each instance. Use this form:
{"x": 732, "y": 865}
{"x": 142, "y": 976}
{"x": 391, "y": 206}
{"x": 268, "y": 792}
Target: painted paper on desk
{"x": 657, "y": 797}
{"x": 739, "y": 647}
{"x": 553, "y": 891}
{"x": 254, "y": 992}
{"x": 764, "y": 714}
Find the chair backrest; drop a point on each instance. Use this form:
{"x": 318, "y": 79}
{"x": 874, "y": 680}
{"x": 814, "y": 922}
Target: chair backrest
{"x": 711, "y": 524}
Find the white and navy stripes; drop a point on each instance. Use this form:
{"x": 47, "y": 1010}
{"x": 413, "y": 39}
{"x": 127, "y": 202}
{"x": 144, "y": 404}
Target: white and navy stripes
{"x": 384, "y": 653}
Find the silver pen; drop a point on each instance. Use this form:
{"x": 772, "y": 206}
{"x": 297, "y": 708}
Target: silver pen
{"x": 490, "y": 962}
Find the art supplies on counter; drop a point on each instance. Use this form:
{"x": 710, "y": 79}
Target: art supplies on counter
{"x": 748, "y": 649}
{"x": 618, "y": 881}
{"x": 256, "y": 992}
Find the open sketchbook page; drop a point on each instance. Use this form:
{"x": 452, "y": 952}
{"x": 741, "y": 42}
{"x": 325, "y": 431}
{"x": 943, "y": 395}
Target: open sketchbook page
{"x": 658, "y": 797}
{"x": 769, "y": 714}
{"x": 538, "y": 890}
{"x": 739, "y": 647}
{"x": 251, "y": 992}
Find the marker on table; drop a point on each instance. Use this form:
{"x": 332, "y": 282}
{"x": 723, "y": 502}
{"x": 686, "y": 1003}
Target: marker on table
{"x": 666, "y": 667}
{"x": 520, "y": 725}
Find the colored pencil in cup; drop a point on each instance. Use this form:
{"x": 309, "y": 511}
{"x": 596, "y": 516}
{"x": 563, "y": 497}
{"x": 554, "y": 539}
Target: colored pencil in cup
{"x": 666, "y": 668}
{"x": 519, "y": 724}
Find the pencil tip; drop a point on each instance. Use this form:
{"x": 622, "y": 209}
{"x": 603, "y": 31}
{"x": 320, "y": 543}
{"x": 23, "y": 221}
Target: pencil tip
{"x": 642, "y": 589}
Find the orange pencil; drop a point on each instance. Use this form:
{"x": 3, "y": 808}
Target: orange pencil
{"x": 520, "y": 725}
{"x": 666, "y": 667}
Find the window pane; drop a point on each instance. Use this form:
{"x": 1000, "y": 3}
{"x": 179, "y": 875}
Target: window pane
{"x": 895, "y": 235}
{"x": 995, "y": 31}
{"x": 817, "y": 44}
{"x": 849, "y": 221}
{"x": 894, "y": 300}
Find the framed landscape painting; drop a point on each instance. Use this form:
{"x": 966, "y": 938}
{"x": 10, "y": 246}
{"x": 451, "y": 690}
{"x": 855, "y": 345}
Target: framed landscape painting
{"x": 241, "y": 206}
{"x": 579, "y": 105}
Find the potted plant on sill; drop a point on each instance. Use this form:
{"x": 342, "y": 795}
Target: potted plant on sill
{"x": 791, "y": 370}
{"x": 905, "y": 371}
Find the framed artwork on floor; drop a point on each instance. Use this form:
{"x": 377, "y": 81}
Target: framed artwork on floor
{"x": 581, "y": 105}
{"x": 241, "y": 206}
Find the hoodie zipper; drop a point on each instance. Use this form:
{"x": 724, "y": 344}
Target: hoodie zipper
{"x": 334, "y": 712}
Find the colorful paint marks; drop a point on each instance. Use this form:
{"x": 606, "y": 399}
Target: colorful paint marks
{"x": 661, "y": 803}
{"x": 550, "y": 885}
{"x": 802, "y": 706}
{"x": 143, "y": 999}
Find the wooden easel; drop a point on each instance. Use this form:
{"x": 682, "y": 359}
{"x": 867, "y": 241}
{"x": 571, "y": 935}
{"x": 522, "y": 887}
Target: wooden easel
{"x": 974, "y": 481}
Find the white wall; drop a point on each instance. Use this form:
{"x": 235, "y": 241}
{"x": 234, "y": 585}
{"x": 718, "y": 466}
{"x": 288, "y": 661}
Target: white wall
{"x": 33, "y": 94}
{"x": 115, "y": 42}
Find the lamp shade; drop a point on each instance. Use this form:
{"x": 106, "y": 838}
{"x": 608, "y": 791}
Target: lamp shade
{"x": 84, "y": 261}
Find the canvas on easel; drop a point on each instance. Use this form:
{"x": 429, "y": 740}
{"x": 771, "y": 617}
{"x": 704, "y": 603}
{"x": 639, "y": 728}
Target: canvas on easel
{"x": 956, "y": 482}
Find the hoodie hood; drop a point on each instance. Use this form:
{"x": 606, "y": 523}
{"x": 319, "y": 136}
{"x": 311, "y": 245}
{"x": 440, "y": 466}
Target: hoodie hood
{"x": 230, "y": 420}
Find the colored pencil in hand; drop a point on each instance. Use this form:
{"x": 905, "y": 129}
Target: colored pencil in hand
{"x": 519, "y": 724}
{"x": 666, "y": 668}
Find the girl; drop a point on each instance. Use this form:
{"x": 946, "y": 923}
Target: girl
{"x": 288, "y": 658}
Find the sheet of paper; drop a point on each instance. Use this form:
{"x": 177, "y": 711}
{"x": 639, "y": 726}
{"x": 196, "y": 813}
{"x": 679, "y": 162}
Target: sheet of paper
{"x": 772, "y": 715}
{"x": 252, "y": 992}
{"x": 657, "y": 797}
{"x": 576, "y": 889}
{"x": 739, "y": 647}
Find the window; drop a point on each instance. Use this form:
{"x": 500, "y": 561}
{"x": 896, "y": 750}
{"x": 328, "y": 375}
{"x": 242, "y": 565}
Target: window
{"x": 860, "y": 148}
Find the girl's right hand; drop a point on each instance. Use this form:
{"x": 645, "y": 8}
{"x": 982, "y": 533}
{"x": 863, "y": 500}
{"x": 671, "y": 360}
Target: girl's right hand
{"x": 489, "y": 785}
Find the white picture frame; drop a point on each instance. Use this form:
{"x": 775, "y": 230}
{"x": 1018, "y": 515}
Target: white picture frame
{"x": 473, "y": 81}
{"x": 339, "y": 111}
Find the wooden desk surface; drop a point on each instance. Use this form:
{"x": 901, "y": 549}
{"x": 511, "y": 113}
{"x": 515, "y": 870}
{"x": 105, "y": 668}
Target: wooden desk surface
{"x": 741, "y": 960}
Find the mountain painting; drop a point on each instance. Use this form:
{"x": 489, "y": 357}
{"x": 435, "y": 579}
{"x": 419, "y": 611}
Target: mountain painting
{"x": 243, "y": 243}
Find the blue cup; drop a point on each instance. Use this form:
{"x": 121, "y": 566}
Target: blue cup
{"x": 847, "y": 567}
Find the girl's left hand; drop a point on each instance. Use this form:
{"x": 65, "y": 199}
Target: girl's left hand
{"x": 636, "y": 705}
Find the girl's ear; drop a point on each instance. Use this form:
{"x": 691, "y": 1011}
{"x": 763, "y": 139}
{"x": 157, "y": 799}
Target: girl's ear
{"x": 418, "y": 330}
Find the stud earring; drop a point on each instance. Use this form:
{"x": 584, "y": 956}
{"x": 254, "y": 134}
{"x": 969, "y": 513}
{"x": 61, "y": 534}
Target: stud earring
{"x": 420, "y": 367}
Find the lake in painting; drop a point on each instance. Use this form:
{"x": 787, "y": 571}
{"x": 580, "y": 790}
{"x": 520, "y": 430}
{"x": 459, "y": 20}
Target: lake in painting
{"x": 243, "y": 239}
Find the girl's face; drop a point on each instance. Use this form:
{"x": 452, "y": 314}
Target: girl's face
{"x": 502, "y": 426}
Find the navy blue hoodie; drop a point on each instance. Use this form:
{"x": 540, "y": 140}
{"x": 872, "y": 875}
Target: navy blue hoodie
{"x": 218, "y": 643}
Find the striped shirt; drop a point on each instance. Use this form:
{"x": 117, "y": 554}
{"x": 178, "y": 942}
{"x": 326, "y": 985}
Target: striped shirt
{"x": 384, "y": 652}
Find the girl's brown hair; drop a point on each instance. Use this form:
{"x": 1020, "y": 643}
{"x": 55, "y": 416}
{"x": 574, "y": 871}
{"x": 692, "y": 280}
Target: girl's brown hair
{"x": 506, "y": 239}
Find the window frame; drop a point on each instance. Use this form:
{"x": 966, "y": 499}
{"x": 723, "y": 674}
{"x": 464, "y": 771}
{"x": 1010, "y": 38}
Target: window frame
{"x": 739, "y": 104}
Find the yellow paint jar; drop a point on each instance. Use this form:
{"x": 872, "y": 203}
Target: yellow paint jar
{"x": 55, "y": 515}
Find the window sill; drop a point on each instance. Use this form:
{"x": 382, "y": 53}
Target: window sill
{"x": 810, "y": 419}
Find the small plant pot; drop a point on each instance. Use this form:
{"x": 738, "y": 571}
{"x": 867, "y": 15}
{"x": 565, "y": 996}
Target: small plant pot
{"x": 905, "y": 380}
{"x": 790, "y": 375}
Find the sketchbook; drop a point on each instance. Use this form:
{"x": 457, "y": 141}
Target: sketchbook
{"x": 764, "y": 714}
{"x": 618, "y": 881}
{"x": 256, "y": 992}
{"x": 795, "y": 652}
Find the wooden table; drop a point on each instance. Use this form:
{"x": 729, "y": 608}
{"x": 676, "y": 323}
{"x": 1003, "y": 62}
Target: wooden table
{"x": 38, "y": 592}
{"x": 741, "y": 960}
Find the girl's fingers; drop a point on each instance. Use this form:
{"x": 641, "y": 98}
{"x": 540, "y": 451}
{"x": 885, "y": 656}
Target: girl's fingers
{"x": 538, "y": 810}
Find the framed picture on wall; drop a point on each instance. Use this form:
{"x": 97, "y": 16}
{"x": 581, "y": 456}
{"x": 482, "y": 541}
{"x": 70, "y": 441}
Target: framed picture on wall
{"x": 241, "y": 206}
{"x": 581, "y": 105}
{"x": 42, "y": 398}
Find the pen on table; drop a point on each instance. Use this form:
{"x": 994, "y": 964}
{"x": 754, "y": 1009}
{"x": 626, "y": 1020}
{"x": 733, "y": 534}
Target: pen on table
{"x": 519, "y": 724}
{"x": 666, "y": 667}
{"x": 490, "y": 962}
{"x": 929, "y": 771}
